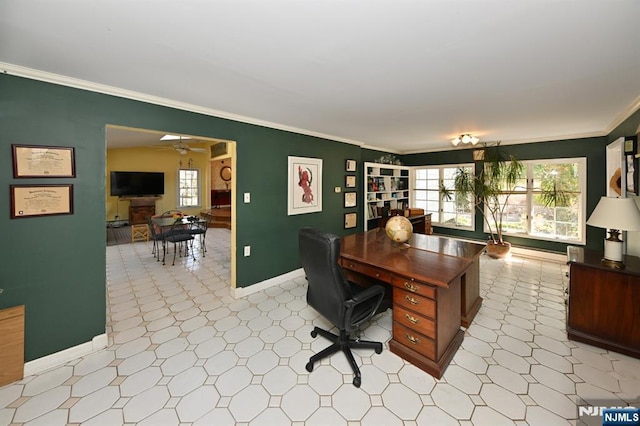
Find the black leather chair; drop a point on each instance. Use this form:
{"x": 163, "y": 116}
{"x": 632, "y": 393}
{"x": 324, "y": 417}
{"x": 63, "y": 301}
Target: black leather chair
{"x": 344, "y": 304}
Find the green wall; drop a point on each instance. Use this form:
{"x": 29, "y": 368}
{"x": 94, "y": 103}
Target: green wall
{"x": 56, "y": 265}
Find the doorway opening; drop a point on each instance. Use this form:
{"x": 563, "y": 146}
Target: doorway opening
{"x": 148, "y": 150}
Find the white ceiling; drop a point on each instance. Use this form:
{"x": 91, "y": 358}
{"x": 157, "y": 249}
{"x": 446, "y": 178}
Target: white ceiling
{"x": 401, "y": 75}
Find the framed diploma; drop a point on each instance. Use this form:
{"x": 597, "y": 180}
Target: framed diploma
{"x": 350, "y": 181}
{"x": 32, "y": 161}
{"x": 350, "y": 199}
{"x": 350, "y": 220}
{"x": 41, "y": 200}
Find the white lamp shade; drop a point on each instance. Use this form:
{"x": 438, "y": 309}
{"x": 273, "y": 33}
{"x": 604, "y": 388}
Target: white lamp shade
{"x": 616, "y": 213}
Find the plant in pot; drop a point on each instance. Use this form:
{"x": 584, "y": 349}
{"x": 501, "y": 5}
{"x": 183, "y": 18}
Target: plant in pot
{"x": 489, "y": 191}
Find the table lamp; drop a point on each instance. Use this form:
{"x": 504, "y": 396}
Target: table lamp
{"x": 615, "y": 214}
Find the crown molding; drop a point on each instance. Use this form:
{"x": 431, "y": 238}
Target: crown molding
{"x": 19, "y": 71}
{"x": 631, "y": 109}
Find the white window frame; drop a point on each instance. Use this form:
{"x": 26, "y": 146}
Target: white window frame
{"x": 440, "y": 168}
{"x": 582, "y": 209}
{"x": 198, "y": 188}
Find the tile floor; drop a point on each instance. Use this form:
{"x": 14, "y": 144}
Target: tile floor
{"x": 182, "y": 351}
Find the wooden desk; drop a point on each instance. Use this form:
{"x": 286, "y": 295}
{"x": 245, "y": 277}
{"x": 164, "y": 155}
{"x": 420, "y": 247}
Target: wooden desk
{"x": 602, "y": 308}
{"x": 427, "y": 290}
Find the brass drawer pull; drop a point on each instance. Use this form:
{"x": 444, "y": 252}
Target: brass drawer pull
{"x": 411, "y": 287}
{"x": 412, "y": 339}
{"x": 411, "y": 319}
{"x": 412, "y": 300}
{"x": 377, "y": 274}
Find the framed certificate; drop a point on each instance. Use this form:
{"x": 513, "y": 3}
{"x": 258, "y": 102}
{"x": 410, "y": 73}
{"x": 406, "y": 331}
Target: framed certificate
{"x": 350, "y": 181}
{"x": 350, "y": 220}
{"x": 33, "y": 161}
{"x": 350, "y": 199}
{"x": 41, "y": 200}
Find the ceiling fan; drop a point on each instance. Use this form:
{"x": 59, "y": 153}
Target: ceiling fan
{"x": 180, "y": 146}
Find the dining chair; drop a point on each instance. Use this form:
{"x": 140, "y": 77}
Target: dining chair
{"x": 180, "y": 238}
{"x": 157, "y": 236}
{"x": 199, "y": 228}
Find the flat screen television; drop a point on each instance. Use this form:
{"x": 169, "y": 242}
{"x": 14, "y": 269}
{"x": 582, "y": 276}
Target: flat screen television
{"x": 137, "y": 184}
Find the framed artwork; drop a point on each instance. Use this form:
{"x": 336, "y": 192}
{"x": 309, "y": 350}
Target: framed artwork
{"x": 350, "y": 220}
{"x": 350, "y": 199}
{"x": 351, "y": 166}
{"x": 41, "y": 200}
{"x": 33, "y": 161}
{"x": 478, "y": 154}
{"x": 304, "y": 185}
{"x": 350, "y": 181}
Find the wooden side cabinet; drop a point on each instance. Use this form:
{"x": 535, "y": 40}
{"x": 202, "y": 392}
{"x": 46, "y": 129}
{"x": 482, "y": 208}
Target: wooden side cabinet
{"x": 603, "y": 307}
{"x": 141, "y": 209}
{"x": 11, "y": 344}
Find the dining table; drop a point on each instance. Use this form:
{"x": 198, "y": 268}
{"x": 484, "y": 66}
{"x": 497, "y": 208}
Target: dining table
{"x": 165, "y": 225}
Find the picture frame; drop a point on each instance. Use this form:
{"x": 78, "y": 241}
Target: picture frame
{"x": 41, "y": 200}
{"x": 39, "y": 161}
{"x": 350, "y": 199}
{"x": 304, "y": 185}
{"x": 350, "y": 181}
{"x": 478, "y": 154}
{"x": 351, "y": 165}
{"x": 350, "y": 220}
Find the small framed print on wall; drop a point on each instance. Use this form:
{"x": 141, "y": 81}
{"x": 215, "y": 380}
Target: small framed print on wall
{"x": 350, "y": 220}
{"x": 350, "y": 181}
{"x": 350, "y": 199}
{"x": 350, "y": 166}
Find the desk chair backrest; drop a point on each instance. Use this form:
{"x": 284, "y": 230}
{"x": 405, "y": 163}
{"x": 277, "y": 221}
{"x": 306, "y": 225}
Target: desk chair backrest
{"x": 328, "y": 288}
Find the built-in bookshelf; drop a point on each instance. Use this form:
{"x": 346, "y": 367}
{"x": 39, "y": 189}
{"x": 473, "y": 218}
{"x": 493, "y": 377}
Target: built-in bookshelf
{"x": 386, "y": 190}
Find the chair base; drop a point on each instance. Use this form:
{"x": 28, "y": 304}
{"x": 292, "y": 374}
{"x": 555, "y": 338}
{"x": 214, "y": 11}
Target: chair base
{"x": 345, "y": 344}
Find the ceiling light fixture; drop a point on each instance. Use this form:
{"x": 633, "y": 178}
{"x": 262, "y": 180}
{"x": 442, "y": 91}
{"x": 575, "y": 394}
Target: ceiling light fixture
{"x": 465, "y": 138}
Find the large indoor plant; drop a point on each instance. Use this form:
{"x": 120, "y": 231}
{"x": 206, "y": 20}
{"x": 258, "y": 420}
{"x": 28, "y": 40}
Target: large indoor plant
{"x": 502, "y": 175}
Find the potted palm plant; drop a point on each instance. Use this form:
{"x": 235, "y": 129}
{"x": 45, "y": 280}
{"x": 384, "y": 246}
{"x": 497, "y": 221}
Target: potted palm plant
{"x": 490, "y": 189}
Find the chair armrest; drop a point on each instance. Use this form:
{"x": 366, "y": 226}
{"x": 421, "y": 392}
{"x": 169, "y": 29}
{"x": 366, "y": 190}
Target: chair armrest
{"x": 372, "y": 297}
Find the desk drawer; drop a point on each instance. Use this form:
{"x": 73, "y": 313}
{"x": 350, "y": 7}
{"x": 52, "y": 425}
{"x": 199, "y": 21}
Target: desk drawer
{"x": 413, "y": 286}
{"x": 371, "y": 271}
{"x": 414, "y": 321}
{"x": 415, "y": 341}
{"x": 422, "y": 305}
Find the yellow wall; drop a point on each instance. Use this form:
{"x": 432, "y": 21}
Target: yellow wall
{"x": 150, "y": 159}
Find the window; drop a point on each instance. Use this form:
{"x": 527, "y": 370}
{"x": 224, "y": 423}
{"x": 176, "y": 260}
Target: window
{"x": 527, "y": 213}
{"x": 188, "y": 187}
{"x": 451, "y": 212}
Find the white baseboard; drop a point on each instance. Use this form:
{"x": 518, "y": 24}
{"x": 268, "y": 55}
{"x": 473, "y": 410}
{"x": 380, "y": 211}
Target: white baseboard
{"x": 59, "y": 358}
{"x": 539, "y": 255}
{"x": 239, "y": 292}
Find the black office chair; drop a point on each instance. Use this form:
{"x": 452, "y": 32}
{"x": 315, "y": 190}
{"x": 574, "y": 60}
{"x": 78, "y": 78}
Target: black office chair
{"x": 344, "y": 304}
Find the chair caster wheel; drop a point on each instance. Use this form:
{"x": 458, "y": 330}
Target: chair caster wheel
{"x": 309, "y": 367}
{"x": 357, "y": 382}
{"x": 379, "y": 350}
{"x": 314, "y": 333}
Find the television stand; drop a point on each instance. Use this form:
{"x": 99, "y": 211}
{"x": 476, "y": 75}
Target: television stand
{"x": 141, "y": 209}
